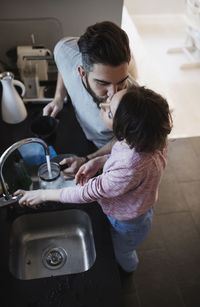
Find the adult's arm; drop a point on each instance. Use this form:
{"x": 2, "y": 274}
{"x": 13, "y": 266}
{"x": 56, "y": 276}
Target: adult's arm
{"x": 106, "y": 149}
{"x": 56, "y": 104}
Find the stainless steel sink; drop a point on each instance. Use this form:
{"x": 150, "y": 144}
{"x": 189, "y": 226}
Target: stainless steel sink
{"x": 51, "y": 244}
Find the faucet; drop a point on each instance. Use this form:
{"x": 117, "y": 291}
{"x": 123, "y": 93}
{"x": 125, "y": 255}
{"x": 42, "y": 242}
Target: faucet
{"x": 7, "y": 198}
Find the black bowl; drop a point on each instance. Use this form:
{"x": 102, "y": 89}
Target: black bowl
{"x": 45, "y": 127}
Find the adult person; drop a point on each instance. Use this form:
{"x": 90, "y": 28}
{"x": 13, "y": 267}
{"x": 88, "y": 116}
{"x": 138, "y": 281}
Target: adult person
{"x": 91, "y": 69}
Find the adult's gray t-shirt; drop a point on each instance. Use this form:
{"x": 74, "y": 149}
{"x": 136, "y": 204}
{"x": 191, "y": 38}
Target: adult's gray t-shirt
{"x": 68, "y": 58}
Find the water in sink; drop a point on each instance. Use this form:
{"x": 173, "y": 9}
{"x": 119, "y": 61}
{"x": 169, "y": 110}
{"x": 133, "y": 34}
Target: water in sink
{"x": 51, "y": 244}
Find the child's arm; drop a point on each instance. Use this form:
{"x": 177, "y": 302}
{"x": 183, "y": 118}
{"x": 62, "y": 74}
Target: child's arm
{"x": 35, "y": 197}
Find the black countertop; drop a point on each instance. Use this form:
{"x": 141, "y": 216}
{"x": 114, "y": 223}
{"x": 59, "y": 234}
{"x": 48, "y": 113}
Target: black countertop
{"x": 100, "y": 285}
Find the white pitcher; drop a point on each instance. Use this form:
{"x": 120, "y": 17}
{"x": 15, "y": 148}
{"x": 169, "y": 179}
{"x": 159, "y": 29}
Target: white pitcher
{"x": 13, "y": 110}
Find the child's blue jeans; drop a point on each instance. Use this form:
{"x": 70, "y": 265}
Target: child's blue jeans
{"x": 127, "y": 235}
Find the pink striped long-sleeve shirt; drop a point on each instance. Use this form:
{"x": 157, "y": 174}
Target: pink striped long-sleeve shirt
{"x": 128, "y": 186}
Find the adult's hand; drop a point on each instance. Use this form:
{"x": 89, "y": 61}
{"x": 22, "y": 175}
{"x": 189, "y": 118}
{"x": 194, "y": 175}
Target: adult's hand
{"x": 74, "y": 165}
{"x": 53, "y": 108}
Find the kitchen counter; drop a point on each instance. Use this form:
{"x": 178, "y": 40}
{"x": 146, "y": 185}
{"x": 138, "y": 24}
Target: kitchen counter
{"x": 100, "y": 285}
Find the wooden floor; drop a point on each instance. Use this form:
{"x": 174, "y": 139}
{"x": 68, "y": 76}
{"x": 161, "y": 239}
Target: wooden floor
{"x": 169, "y": 271}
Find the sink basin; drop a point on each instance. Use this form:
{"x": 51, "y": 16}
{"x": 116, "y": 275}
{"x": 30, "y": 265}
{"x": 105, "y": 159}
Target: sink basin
{"x": 51, "y": 244}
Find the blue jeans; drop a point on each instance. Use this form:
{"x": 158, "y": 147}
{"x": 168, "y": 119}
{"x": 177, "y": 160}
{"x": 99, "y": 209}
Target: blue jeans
{"x": 127, "y": 235}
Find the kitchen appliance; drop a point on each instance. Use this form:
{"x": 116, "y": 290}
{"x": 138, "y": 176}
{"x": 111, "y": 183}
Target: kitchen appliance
{"x": 38, "y": 55}
{"x": 12, "y": 106}
{"x": 33, "y": 63}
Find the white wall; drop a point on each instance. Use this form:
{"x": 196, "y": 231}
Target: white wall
{"x": 143, "y": 7}
{"x": 49, "y": 20}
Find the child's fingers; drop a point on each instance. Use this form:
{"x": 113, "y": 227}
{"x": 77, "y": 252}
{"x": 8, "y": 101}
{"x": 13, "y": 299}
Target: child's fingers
{"x": 79, "y": 175}
{"x": 18, "y": 192}
{"x": 77, "y": 178}
{"x": 22, "y": 201}
{"x": 81, "y": 181}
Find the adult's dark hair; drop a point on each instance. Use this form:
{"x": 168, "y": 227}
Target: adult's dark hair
{"x": 143, "y": 119}
{"x": 105, "y": 43}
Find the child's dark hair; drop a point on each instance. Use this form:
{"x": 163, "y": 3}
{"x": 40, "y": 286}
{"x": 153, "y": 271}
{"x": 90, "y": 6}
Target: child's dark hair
{"x": 105, "y": 43}
{"x": 143, "y": 119}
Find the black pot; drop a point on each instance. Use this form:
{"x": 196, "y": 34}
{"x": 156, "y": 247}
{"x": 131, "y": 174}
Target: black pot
{"x": 45, "y": 127}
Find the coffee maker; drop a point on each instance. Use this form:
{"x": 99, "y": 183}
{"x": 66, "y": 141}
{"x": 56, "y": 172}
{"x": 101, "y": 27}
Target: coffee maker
{"x": 32, "y": 63}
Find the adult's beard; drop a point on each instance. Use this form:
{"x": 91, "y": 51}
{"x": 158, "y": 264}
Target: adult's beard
{"x": 96, "y": 99}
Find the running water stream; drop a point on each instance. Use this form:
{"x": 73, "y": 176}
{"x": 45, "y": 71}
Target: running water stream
{"x": 49, "y": 166}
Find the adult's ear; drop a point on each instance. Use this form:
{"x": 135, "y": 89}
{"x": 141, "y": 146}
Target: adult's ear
{"x": 81, "y": 72}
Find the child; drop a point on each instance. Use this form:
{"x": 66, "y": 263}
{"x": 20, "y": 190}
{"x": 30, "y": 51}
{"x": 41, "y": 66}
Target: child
{"x": 127, "y": 189}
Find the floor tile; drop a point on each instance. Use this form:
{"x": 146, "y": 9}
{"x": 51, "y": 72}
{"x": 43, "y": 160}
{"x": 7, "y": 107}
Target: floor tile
{"x": 196, "y": 218}
{"x": 155, "y": 283}
{"x": 195, "y": 143}
{"x": 184, "y": 160}
{"x": 182, "y": 245}
{"x": 170, "y": 198}
{"x": 191, "y": 193}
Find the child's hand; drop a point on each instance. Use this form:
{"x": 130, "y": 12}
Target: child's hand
{"x": 31, "y": 198}
{"x": 88, "y": 170}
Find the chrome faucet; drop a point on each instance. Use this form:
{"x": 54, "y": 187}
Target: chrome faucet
{"x": 7, "y": 198}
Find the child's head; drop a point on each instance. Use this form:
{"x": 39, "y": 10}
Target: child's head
{"x": 139, "y": 116}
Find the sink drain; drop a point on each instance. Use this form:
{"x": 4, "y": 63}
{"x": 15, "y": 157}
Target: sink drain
{"x": 54, "y": 257}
